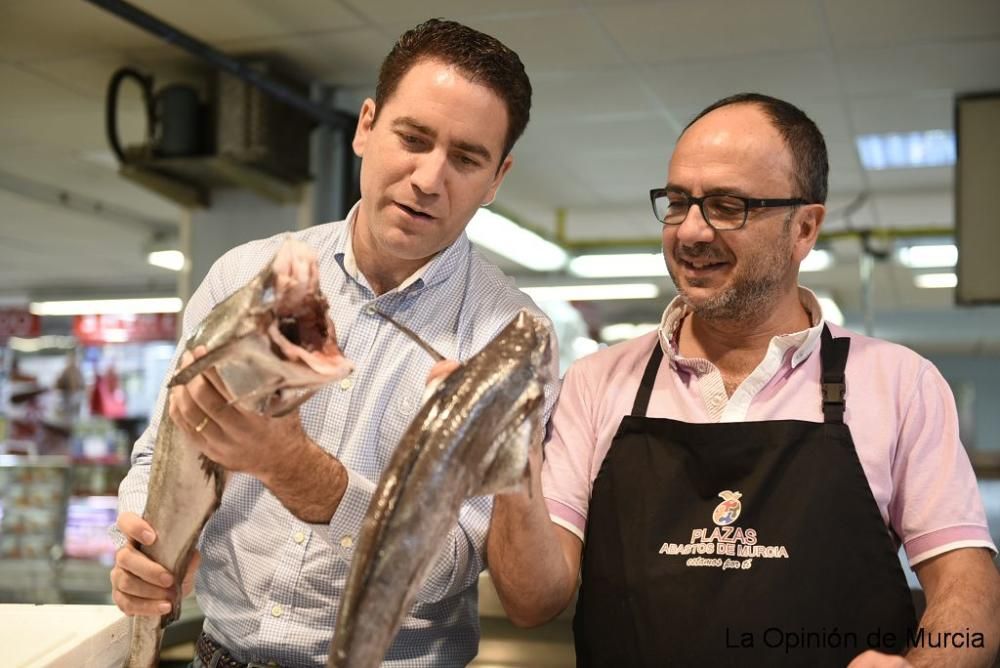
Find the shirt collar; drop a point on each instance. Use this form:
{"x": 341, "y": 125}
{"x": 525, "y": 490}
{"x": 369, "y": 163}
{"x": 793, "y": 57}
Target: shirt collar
{"x": 435, "y": 270}
{"x": 803, "y": 342}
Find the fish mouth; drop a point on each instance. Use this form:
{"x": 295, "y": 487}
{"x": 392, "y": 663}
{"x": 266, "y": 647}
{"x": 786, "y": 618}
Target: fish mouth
{"x": 303, "y": 332}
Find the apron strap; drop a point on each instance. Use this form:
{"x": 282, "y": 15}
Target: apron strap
{"x": 646, "y": 384}
{"x": 833, "y": 355}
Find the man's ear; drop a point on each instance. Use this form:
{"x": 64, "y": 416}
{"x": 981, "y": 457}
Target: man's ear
{"x": 491, "y": 194}
{"x": 806, "y": 229}
{"x": 366, "y": 119}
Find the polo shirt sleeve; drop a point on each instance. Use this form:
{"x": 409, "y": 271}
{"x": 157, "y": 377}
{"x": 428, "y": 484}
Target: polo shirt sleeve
{"x": 936, "y": 506}
{"x": 569, "y": 452}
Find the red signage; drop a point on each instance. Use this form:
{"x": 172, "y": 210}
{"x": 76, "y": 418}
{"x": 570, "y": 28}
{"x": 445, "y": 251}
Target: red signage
{"x": 106, "y": 328}
{"x": 18, "y": 322}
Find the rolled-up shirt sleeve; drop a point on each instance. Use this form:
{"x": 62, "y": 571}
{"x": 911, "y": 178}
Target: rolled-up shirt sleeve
{"x": 936, "y": 506}
{"x": 569, "y": 453}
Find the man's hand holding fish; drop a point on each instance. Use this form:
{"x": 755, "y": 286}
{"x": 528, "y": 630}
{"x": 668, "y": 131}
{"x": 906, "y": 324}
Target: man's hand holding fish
{"x": 274, "y": 449}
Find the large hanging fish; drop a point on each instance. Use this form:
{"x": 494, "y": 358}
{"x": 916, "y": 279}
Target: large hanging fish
{"x": 273, "y": 345}
{"x": 471, "y": 437}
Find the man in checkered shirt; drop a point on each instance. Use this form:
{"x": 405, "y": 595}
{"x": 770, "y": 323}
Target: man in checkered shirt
{"x": 435, "y": 146}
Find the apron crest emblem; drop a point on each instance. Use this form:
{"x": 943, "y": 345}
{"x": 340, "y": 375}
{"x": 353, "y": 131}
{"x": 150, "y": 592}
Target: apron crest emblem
{"x": 729, "y": 510}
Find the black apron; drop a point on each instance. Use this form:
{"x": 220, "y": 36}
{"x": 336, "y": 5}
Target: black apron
{"x": 751, "y": 543}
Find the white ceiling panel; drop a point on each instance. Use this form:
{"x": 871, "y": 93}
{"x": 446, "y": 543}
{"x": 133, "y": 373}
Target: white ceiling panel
{"x": 600, "y": 93}
{"x": 221, "y": 20}
{"x": 856, "y": 23}
{"x": 401, "y": 15}
{"x": 797, "y": 77}
{"x": 339, "y": 57}
{"x": 903, "y": 112}
{"x": 710, "y": 29}
{"x": 32, "y": 31}
{"x": 567, "y": 41}
{"x": 960, "y": 67}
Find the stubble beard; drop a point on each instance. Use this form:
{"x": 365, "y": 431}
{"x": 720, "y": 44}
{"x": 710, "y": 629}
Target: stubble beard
{"x": 749, "y": 296}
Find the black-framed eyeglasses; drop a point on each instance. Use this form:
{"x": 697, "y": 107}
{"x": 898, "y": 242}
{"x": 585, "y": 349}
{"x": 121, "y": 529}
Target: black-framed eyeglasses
{"x": 722, "y": 212}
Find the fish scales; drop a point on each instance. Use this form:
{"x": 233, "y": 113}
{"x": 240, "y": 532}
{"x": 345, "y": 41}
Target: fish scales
{"x": 470, "y": 437}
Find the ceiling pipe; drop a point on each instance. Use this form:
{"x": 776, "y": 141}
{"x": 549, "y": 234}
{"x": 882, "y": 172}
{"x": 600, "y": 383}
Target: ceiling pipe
{"x": 326, "y": 115}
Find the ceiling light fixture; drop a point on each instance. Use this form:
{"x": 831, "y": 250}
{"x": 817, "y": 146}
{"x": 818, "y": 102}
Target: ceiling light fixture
{"x": 817, "y": 260}
{"x": 167, "y": 259}
{"x": 108, "y": 306}
{"x": 935, "y": 280}
{"x": 505, "y": 237}
{"x": 905, "y": 150}
{"x": 620, "y": 265}
{"x": 600, "y": 292}
{"x": 927, "y": 257}
{"x": 623, "y": 331}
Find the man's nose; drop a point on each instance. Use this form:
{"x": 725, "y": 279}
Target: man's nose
{"x": 694, "y": 228}
{"x": 429, "y": 172}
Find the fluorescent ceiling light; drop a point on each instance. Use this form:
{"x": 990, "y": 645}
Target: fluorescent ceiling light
{"x": 605, "y": 292}
{"x": 925, "y": 257}
{"x": 504, "y": 237}
{"x": 618, "y": 265}
{"x": 623, "y": 331}
{"x": 830, "y": 310}
{"x": 935, "y": 280}
{"x": 817, "y": 260}
{"x": 168, "y": 259}
{"x": 110, "y": 306}
{"x": 901, "y": 150}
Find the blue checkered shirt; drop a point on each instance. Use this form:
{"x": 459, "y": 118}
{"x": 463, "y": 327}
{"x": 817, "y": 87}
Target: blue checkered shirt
{"x": 269, "y": 584}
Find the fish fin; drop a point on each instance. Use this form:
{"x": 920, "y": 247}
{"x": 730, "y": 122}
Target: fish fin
{"x": 202, "y": 364}
{"x": 509, "y": 470}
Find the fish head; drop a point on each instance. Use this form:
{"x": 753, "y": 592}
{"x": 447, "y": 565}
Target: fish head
{"x": 273, "y": 342}
{"x": 301, "y": 336}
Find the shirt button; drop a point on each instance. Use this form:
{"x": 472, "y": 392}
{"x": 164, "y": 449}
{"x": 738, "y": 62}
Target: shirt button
{"x": 346, "y": 384}
{"x": 371, "y": 310}
{"x": 299, "y": 537}
{"x": 346, "y": 541}
{"x": 276, "y": 611}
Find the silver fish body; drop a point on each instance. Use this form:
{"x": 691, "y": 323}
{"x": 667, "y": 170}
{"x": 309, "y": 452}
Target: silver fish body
{"x": 273, "y": 346}
{"x": 471, "y": 437}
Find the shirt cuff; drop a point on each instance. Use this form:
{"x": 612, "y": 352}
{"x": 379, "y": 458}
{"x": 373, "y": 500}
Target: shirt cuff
{"x": 343, "y": 530}
{"x": 944, "y": 540}
{"x": 566, "y": 517}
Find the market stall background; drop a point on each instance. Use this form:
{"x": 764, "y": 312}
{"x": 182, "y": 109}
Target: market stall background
{"x": 615, "y": 81}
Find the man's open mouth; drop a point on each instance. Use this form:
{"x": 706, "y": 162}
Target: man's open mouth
{"x": 416, "y": 213}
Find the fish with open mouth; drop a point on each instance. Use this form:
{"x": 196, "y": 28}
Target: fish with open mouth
{"x": 471, "y": 437}
{"x": 273, "y": 345}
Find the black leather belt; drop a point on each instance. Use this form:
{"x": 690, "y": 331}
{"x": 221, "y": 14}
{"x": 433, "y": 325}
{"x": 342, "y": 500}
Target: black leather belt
{"x": 206, "y": 649}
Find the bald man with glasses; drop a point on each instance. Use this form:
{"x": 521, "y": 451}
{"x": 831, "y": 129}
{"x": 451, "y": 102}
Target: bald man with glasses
{"x": 733, "y": 488}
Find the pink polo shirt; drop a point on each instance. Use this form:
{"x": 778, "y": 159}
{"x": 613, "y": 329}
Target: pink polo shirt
{"x": 900, "y": 411}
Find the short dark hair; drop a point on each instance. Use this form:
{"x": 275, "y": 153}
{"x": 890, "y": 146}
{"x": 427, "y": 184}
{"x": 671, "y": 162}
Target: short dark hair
{"x": 482, "y": 58}
{"x": 800, "y": 134}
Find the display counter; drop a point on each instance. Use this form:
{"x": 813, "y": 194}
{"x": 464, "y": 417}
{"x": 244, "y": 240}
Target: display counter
{"x": 63, "y": 636}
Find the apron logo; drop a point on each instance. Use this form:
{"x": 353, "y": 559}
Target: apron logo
{"x": 724, "y": 546}
{"x": 729, "y": 510}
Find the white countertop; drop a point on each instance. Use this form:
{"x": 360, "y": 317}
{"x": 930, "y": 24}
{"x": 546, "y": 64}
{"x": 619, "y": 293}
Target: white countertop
{"x": 63, "y": 636}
